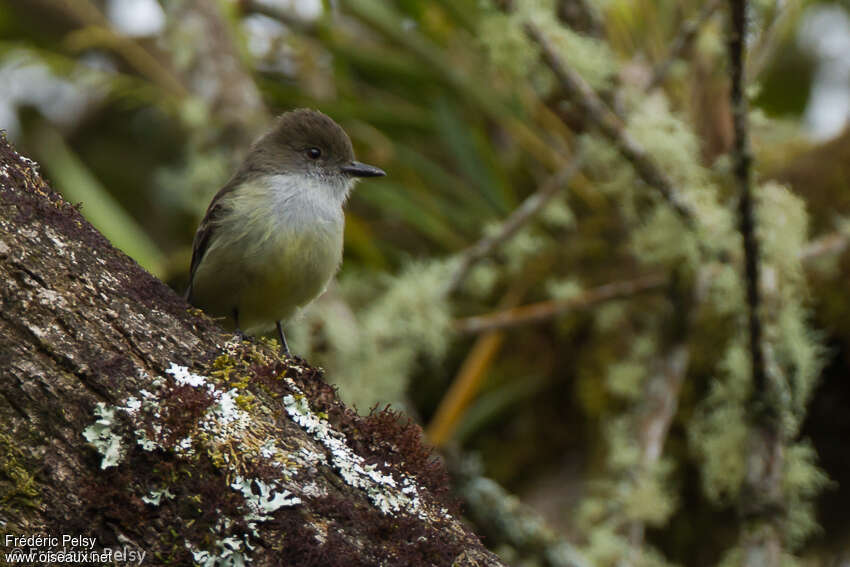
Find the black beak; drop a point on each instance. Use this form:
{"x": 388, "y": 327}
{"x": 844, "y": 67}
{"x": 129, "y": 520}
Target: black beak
{"x": 357, "y": 169}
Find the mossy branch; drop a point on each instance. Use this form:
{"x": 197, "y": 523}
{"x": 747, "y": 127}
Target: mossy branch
{"x": 538, "y": 312}
{"x": 762, "y": 494}
{"x": 742, "y": 165}
{"x": 594, "y": 109}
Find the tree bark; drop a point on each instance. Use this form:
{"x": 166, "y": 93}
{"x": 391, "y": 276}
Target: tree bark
{"x": 131, "y": 418}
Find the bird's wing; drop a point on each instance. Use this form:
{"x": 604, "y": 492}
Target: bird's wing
{"x": 205, "y": 232}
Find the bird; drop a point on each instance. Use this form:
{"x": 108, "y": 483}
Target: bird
{"x": 272, "y": 238}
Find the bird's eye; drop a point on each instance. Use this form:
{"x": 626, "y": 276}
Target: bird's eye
{"x": 314, "y": 153}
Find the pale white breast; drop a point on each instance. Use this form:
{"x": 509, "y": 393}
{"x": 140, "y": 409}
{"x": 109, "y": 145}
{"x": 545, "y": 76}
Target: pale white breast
{"x": 276, "y": 204}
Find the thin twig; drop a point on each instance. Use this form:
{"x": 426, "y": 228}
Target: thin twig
{"x": 537, "y": 312}
{"x": 682, "y": 43}
{"x": 762, "y": 494}
{"x": 770, "y": 37}
{"x": 655, "y": 415}
{"x": 597, "y": 112}
{"x": 833, "y": 243}
{"x": 742, "y": 162}
{"x": 517, "y": 219}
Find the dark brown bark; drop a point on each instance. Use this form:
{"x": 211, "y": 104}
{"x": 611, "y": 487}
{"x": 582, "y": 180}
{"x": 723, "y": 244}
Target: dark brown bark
{"x": 258, "y": 458}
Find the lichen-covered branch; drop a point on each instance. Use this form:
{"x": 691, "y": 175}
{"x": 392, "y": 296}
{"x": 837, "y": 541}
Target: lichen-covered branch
{"x": 576, "y": 89}
{"x": 762, "y": 492}
{"x": 742, "y": 161}
{"x": 654, "y": 417}
{"x": 537, "y": 312}
{"x": 130, "y": 418}
{"x": 833, "y": 243}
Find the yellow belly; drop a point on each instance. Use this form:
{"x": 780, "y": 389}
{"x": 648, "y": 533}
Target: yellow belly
{"x": 270, "y": 280}
{"x": 290, "y": 280}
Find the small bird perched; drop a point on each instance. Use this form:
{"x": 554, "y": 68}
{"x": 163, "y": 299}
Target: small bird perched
{"x": 271, "y": 239}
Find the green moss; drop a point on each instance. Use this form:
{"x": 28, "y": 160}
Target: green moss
{"x": 612, "y": 176}
{"x": 650, "y": 499}
{"x": 590, "y": 57}
{"x": 626, "y": 379}
{"x": 525, "y": 244}
{"x": 505, "y": 43}
{"x": 563, "y": 289}
{"x": 782, "y": 229}
{"x": 663, "y": 239}
{"x": 18, "y": 488}
{"x": 720, "y": 430}
{"x": 482, "y": 279}
{"x": 802, "y": 480}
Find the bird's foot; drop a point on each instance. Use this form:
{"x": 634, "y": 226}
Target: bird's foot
{"x": 284, "y": 348}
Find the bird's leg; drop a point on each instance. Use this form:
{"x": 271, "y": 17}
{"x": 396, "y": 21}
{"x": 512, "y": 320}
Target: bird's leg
{"x": 284, "y": 348}
{"x": 242, "y": 336}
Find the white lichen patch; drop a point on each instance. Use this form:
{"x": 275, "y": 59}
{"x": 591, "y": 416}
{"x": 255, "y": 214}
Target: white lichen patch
{"x": 313, "y": 490}
{"x": 52, "y": 299}
{"x": 27, "y": 161}
{"x": 310, "y": 457}
{"x": 268, "y": 498}
{"x": 223, "y": 421}
{"x": 155, "y": 496}
{"x": 381, "y": 488}
{"x": 150, "y": 402}
{"x": 224, "y": 431}
{"x": 230, "y": 551}
{"x": 55, "y": 239}
{"x": 103, "y": 437}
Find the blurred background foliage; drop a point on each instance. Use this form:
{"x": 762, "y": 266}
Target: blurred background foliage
{"x": 611, "y": 393}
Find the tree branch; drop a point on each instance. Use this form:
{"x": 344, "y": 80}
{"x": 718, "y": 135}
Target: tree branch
{"x": 537, "y": 312}
{"x": 833, "y": 243}
{"x": 742, "y": 161}
{"x": 761, "y": 495}
{"x": 128, "y": 416}
{"x": 658, "y": 408}
{"x": 597, "y": 113}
